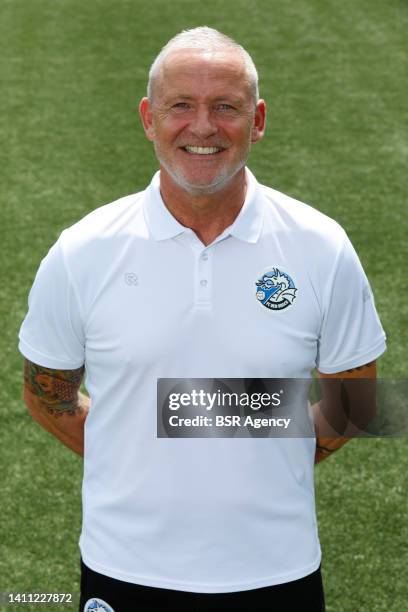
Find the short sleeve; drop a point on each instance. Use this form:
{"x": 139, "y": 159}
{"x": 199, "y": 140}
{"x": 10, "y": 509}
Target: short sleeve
{"x": 351, "y": 333}
{"x": 52, "y": 334}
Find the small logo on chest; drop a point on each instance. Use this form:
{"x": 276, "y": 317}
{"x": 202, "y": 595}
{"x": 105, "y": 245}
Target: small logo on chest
{"x": 131, "y": 278}
{"x": 275, "y": 289}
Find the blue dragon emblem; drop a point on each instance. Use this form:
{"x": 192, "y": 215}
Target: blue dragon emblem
{"x": 275, "y": 290}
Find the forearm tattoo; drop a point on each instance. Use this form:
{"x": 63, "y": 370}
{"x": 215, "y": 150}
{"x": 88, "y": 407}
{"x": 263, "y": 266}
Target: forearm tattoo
{"x": 56, "y": 390}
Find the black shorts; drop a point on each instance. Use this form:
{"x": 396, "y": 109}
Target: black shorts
{"x": 303, "y": 595}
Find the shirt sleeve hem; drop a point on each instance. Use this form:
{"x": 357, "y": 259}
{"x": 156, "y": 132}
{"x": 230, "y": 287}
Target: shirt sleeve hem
{"x": 356, "y": 362}
{"x": 45, "y": 360}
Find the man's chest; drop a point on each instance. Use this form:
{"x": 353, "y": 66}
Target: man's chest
{"x": 226, "y": 310}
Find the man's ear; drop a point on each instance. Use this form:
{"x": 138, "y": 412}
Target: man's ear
{"x": 258, "y": 128}
{"x": 147, "y": 118}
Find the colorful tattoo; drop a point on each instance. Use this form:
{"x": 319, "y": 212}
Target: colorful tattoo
{"x": 56, "y": 390}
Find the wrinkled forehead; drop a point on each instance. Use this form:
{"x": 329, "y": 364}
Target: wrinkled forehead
{"x": 196, "y": 68}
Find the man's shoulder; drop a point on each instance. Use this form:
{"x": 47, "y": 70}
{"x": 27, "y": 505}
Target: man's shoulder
{"x": 107, "y": 222}
{"x": 297, "y": 216}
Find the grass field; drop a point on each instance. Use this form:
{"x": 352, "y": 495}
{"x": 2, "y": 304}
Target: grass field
{"x": 334, "y": 75}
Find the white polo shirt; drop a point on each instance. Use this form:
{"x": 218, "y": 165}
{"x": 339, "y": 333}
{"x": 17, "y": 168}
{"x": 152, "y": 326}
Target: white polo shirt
{"x": 136, "y": 296}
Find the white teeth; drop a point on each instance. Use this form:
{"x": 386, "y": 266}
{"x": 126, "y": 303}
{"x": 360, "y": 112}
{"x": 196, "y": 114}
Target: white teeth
{"x": 202, "y": 150}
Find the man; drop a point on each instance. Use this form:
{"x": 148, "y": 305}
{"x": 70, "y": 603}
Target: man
{"x": 181, "y": 281}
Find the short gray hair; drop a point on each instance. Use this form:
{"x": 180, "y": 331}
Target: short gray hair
{"x": 204, "y": 39}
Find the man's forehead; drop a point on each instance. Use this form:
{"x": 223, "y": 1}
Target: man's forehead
{"x": 184, "y": 67}
{"x": 192, "y": 62}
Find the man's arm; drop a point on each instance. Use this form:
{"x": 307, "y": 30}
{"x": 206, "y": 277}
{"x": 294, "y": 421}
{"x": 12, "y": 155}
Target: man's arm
{"x": 55, "y": 402}
{"x": 346, "y": 407}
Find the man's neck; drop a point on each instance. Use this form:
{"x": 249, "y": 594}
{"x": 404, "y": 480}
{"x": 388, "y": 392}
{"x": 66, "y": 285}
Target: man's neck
{"x": 208, "y": 214}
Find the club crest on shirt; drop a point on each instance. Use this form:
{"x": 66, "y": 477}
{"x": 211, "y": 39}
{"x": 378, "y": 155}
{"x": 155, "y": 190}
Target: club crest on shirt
{"x": 97, "y": 605}
{"x": 275, "y": 289}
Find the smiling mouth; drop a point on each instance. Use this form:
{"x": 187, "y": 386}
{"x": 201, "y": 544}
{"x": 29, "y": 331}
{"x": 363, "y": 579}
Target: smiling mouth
{"x": 202, "y": 150}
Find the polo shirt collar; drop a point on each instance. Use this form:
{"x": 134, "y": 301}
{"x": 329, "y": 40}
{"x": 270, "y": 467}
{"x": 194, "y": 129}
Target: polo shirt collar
{"x": 162, "y": 225}
{"x": 248, "y": 224}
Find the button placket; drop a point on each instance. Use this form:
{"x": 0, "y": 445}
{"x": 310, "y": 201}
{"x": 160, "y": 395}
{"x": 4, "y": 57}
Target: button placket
{"x": 202, "y": 269}
{"x": 203, "y": 279}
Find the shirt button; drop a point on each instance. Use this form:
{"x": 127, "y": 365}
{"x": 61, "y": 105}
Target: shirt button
{"x": 203, "y": 282}
{"x": 204, "y": 256}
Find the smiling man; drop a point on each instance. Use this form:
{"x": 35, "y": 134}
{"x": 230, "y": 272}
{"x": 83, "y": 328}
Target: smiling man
{"x": 202, "y": 115}
{"x": 251, "y": 284}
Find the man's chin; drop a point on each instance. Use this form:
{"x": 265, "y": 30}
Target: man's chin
{"x": 202, "y": 186}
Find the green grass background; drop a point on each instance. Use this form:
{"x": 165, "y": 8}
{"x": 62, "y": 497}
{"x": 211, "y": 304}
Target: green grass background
{"x": 334, "y": 75}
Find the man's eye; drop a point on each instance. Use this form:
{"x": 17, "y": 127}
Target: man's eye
{"x": 225, "y": 108}
{"x": 181, "y": 106}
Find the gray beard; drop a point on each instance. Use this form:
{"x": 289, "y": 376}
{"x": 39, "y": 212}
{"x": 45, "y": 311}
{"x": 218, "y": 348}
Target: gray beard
{"x": 196, "y": 190}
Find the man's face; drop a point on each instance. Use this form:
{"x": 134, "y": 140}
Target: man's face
{"x": 202, "y": 118}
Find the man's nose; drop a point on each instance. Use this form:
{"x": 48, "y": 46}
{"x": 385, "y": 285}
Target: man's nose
{"x": 203, "y": 124}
